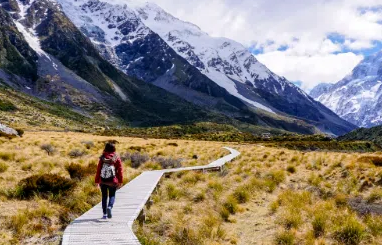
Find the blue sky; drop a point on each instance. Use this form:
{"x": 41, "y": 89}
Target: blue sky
{"x": 311, "y": 41}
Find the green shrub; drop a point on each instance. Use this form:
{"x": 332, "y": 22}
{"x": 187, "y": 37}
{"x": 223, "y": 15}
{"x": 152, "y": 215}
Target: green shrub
{"x": 351, "y": 232}
{"x": 137, "y": 159}
{"x": 76, "y": 171}
{"x": 291, "y": 169}
{"x": 137, "y": 148}
{"x": 3, "y": 167}
{"x": 319, "y": 224}
{"x": 20, "y": 132}
{"x": 216, "y": 186}
{"x": 185, "y": 236}
{"x": 199, "y": 197}
{"x": 125, "y": 156}
{"x": 26, "y": 167}
{"x": 263, "y": 184}
{"x": 7, "y": 156}
{"x": 231, "y": 205}
{"x": 76, "y": 153}
{"x": 291, "y": 220}
{"x": 167, "y": 163}
{"x": 172, "y": 192}
{"x": 285, "y": 238}
{"x": 375, "y": 195}
{"x": 315, "y": 179}
{"x": 277, "y": 176}
{"x": 44, "y": 185}
{"x": 88, "y": 144}
{"x": 376, "y": 160}
{"x": 224, "y": 213}
{"x": 17, "y": 222}
{"x": 241, "y": 194}
{"x": 340, "y": 200}
{"x": 7, "y": 106}
{"x": 374, "y": 223}
{"x": 48, "y": 148}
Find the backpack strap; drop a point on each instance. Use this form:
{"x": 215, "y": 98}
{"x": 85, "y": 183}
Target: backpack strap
{"x": 109, "y": 161}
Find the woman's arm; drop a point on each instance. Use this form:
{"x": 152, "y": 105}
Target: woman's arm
{"x": 119, "y": 171}
{"x": 98, "y": 174}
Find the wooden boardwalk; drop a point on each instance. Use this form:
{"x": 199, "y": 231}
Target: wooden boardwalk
{"x": 130, "y": 201}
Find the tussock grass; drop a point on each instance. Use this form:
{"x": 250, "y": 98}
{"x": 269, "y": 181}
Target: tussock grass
{"x": 351, "y": 232}
{"x": 291, "y": 169}
{"x": 375, "y": 195}
{"x": 376, "y": 160}
{"x": 44, "y": 185}
{"x": 255, "y": 198}
{"x": 3, "y": 167}
{"x": 285, "y": 238}
{"x": 7, "y": 156}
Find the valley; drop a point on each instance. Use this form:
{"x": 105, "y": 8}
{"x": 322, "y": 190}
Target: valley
{"x": 272, "y": 194}
{"x": 75, "y": 75}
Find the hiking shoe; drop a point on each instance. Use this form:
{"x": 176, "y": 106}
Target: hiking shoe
{"x": 109, "y": 215}
{"x": 104, "y": 216}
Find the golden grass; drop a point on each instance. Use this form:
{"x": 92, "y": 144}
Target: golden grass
{"x": 265, "y": 196}
{"x": 269, "y": 196}
{"x": 41, "y": 219}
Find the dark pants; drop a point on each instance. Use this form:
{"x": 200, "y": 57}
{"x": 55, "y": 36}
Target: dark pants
{"x": 105, "y": 189}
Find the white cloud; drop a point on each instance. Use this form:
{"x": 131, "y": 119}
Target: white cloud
{"x": 301, "y": 25}
{"x": 358, "y": 44}
{"x": 311, "y": 70}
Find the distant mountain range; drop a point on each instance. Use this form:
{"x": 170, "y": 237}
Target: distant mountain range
{"x": 358, "y": 97}
{"x": 139, "y": 63}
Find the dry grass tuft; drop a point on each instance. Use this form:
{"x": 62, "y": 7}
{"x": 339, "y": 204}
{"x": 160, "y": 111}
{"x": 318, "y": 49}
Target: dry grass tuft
{"x": 376, "y": 160}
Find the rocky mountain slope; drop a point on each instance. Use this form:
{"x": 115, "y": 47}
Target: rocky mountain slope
{"x": 365, "y": 134}
{"x": 358, "y": 97}
{"x": 47, "y": 56}
{"x": 73, "y": 61}
{"x": 320, "y": 89}
{"x": 146, "y": 42}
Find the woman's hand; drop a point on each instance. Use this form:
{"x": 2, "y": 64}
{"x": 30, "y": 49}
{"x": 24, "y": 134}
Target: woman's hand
{"x": 97, "y": 185}
{"x": 119, "y": 185}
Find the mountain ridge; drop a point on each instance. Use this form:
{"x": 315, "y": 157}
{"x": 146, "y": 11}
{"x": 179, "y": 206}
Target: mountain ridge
{"x": 83, "y": 75}
{"x": 358, "y": 97}
{"x": 120, "y": 32}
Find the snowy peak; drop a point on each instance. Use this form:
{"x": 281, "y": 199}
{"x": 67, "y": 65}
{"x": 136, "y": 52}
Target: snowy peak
{"x": 146, "y": 42}
{"x": 320, "y": 89}
{"x": 104, "y": 22}
{"x": 217, "y": 58}
{"x": 370, "y": 66}
{"x": 358, "y": 97}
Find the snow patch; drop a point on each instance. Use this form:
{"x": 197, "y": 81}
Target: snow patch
{"x": 120, "y": 92}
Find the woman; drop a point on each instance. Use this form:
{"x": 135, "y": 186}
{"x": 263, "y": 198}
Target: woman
{"x": 109, "y": 177}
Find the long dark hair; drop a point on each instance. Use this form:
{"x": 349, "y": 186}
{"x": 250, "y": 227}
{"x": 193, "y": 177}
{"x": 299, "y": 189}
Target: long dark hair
{"x": 109, "y": 147}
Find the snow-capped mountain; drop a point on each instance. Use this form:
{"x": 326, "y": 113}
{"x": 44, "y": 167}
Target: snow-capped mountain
{"x": 224, "y": 61}
{"x": 320, "y": 89}
{"x": 358, "y": 97}
{"x": 144, "y": 41}
{"x": 45, "y": 55}
{"x": 70, "y": 51}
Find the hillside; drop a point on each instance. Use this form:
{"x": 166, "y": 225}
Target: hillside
{"x": 67, "y": 69}
{"x": 219, "y": 74}
{"x": 367, "y": 134}
{"x": 49, "y": 58}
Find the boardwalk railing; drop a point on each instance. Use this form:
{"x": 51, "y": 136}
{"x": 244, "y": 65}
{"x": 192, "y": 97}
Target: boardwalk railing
{"x": 131, "y": 199}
